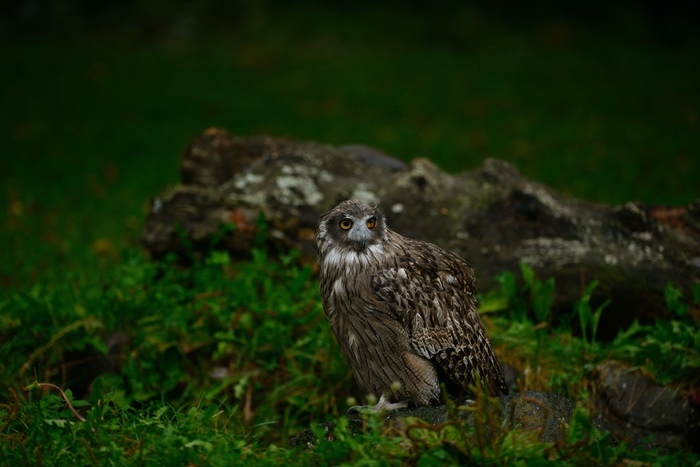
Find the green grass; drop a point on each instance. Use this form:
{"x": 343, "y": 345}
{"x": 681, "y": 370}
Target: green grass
{"x": 258, "y": 325}
{"x": 226, "y": 361}
{"x": 223, "y": 362}
{"x": 161, "y": 435}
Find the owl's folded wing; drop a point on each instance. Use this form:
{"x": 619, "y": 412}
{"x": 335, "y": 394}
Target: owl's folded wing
{"x": 432, "y": 292}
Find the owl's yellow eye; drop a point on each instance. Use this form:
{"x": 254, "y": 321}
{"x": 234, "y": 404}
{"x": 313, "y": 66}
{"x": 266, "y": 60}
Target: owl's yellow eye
{"x": 345, "y": 224}
{"x": 371, "y": 222}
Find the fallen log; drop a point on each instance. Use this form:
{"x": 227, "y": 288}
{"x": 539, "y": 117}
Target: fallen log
{"x": 492, "y": 216}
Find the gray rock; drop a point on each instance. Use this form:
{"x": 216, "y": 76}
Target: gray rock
{"x": 642, "y": 408}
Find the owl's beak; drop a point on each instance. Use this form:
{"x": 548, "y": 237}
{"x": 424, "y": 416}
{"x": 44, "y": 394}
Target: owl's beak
{"x": 360, "y": 238}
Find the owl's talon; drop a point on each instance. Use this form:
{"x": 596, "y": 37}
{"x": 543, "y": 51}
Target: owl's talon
{"x": 384, "y": 404}
{"x": 381, "y": 406}
{"x": 357, "y": 409}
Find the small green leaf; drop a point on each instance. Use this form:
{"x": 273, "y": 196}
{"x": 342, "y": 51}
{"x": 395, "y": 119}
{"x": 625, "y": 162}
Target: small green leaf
{"x": 696, "y": 293}
{"x": 199, "y": 443}
{"x": 491, "y": 303}
{"x": 528, "y": 274}
{"x": 674, "y": 300}
{"x": 56, "y": 422}
{"x": 219, "y": 258}
{"x": 80, "y": 403}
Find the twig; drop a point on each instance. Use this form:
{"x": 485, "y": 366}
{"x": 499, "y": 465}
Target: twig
{"x": 89, "y": 451}
{"x": 203, "y": 295}
{"x": 248, "y": 407}
{"x": 36, "y": 385}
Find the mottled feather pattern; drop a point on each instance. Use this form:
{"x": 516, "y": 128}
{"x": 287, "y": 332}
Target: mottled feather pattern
{"x": 402, "y": 310}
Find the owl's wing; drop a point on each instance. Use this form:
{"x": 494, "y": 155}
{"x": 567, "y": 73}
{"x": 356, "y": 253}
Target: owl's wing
{"x": 432, "y": 292}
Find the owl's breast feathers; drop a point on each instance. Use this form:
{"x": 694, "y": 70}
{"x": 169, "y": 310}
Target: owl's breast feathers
{"x": 431, "y": 291}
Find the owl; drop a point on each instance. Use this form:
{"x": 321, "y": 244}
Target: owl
{"x": 403, "y": 311}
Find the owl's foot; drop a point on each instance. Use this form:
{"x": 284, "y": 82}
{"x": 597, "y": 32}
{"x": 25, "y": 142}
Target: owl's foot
{"x": 381, "y": 406}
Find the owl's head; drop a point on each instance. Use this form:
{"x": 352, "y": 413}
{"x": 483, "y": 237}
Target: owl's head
{"x": 351, "y": 224}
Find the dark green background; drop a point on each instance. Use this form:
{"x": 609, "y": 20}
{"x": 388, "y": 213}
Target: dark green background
{"x": 100, "y": 98}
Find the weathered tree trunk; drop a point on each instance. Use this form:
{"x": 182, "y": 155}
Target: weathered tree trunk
{"x": 492, "y": 216}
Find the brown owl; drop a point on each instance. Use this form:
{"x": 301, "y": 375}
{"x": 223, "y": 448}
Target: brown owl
{"x": 403, "y": 311}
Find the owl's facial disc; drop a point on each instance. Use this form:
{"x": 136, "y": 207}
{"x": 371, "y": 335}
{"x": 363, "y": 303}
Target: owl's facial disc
{"x": 352, "y": 224}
